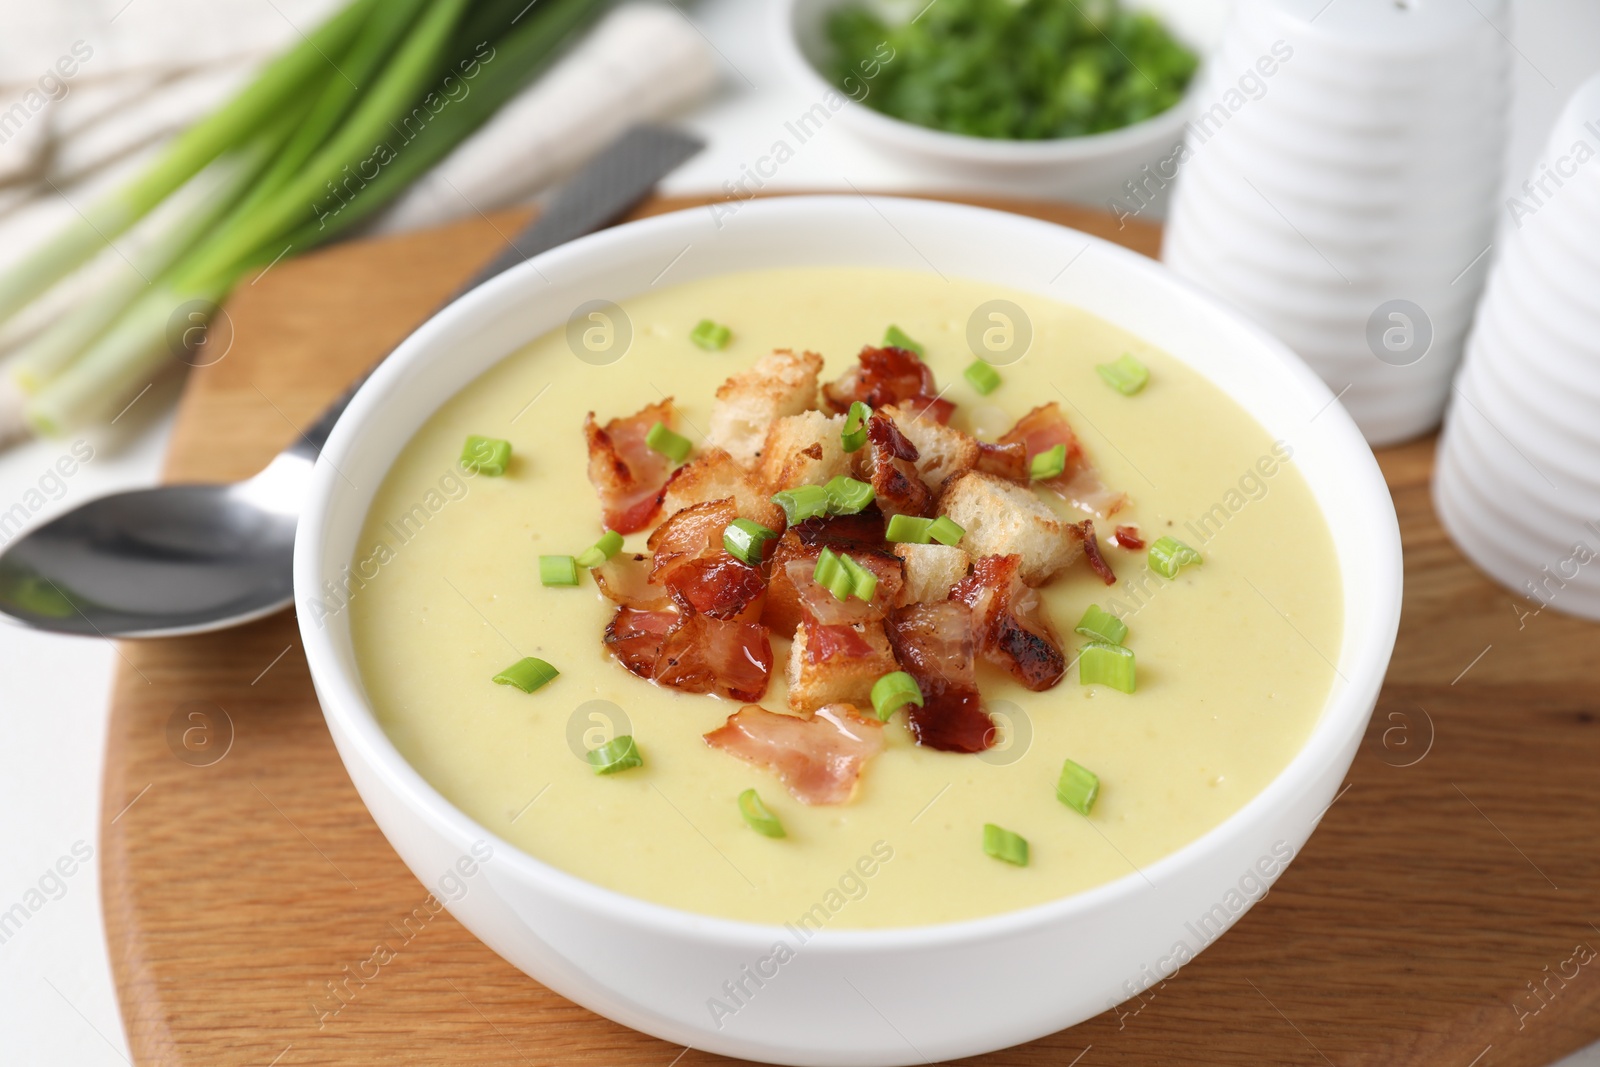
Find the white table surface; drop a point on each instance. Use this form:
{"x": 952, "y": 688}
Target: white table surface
{"x": 57, "y": 1004}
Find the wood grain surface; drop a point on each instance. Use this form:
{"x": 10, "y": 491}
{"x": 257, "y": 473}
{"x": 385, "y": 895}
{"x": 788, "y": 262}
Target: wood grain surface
{"x": 1443, "y": 912}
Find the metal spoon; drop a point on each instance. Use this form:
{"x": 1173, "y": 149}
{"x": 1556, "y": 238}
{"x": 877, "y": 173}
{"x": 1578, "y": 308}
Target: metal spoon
{"x": 181, "y": 559}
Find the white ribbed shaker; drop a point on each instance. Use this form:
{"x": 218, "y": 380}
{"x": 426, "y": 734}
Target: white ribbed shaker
{"x": 1518, "y": 479}
{"x": 1339, "y": 183}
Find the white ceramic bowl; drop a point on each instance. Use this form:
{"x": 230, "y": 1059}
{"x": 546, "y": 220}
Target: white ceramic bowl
{"x": 935, "y": 992}
{"x": 1089, "y": 168}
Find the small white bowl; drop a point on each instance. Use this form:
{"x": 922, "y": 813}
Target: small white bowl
{"x": 1090, "y": 168}
{"x": 957, "y": 989}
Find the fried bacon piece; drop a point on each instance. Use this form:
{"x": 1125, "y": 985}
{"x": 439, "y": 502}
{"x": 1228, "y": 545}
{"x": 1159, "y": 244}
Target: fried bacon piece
{"x": 700, "y": 575}
{"x": 1009, "y": 623}
{"x": 1128, "y": 537}
{"x": 625, "y": 580}
{"x": 891, "y": 466}
{"x": 1079, "y": 483}
{"x": 934, "y": 644}
{"x": 694, "y": 653}
{"x": 890, "y": 376}
{"x": 843, "y": 533}
{"x": 635, "y": 638}
{"x": 1004, "y": 460}
{"x": 818, "y": 758}
{"x": 793, "y": 594}
{"x": 629, "y": 476}
{"x": 1091, "y": 552}
{"x": 706, "y": 655}
{"x": 690, "y": 534}
{"x": 817, "y": 604}
{"x": 827, "y": 640}
{"x": 719, "y": 586}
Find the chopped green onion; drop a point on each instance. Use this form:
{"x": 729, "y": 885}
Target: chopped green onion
{"x": 527, "y": 674}
{"x": 1168, "y": 556}
{"x": 1078, "y": 787}
{"x": 609, "y": 545}
{"x": 893, "y": 692}
{"x": 617, "y": 754}
{"x": 674, "y": 446}
{"x": 833, "y": 576}
{"x": 1126, "y": 375}
{"x": 756, "y": 814}
{"x": 855, "y": 426}
{"x": 946, "y": 531}
{"x": 802, "y": 502}
{"x": 486, "y": 455}
{"x": 746, "y": 541}
{"x": 710, "y": 336}
{"x": 1047, "y": 465}
{"x": 1103, "y": 663}
{"x": 1008, "y": 71}
{"x": 897, "y": 338}
{"x": 843, "y": 576}
{"x": 847, "y": 496}
{"x": 558, "y": 570}
{"x": 982, "y": 377}
{"x": 908, "y": 530}
{"x": 864, "y": 583}
{"x": 1004, "y": 845}
{"x": 1098, "y": 624}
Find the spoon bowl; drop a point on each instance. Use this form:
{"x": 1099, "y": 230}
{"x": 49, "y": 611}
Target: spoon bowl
{"x": 160, "y": 562}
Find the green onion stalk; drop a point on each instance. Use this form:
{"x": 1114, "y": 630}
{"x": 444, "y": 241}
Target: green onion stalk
{"x": 390, "y": 107}
{"x": 520, "y": 52}
{"x": 209, "y": 196}
{"x": 136, "y": 346}
{"x": 228, "y": 127}
{"x": 50, "y": 352}
{"x": 385, "y": 28}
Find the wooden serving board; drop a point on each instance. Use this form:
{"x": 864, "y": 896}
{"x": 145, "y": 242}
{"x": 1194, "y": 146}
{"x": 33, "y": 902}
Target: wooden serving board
{"x": 244, "y": 882}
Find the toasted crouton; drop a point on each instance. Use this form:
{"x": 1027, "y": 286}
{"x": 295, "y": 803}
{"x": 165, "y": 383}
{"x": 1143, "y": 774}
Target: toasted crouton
{"x": 747, "y": 404}
{"x": 714, "y": 475}
{"x": 941, "y": 451}
{"x": 842, "y": 675}
{"x": 1002, "y": 518}
{"x": 930, "y": 571}
{"x": 804, "y": 449}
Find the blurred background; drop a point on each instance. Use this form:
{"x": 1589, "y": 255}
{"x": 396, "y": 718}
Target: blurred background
{"x": 92, "y": 90}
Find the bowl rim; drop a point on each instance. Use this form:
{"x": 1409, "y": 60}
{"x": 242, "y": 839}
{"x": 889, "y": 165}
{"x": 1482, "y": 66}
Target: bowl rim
{"x": 1342, "y": 720}
{"x": 965, "y": 147}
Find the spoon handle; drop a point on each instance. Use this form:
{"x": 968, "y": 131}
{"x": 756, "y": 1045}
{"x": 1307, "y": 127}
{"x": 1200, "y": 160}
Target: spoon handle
{"x": 601, "y": 191}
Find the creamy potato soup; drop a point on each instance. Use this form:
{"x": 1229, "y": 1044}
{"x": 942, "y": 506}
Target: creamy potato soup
{"x": 1232, "y": 655}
